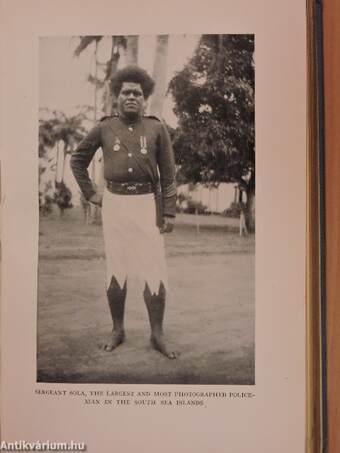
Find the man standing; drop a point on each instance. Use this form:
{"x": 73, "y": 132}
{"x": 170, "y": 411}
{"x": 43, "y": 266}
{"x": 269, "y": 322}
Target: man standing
{"x": 139, "y": 200}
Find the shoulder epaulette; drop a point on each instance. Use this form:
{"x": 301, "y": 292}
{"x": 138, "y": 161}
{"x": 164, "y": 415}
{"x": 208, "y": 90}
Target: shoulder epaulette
{"x": 153, "y": 117}
{"x": 108, "y": 116}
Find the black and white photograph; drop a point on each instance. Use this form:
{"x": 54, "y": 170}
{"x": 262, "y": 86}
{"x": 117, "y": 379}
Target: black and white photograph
{"x": 146, "y": 271}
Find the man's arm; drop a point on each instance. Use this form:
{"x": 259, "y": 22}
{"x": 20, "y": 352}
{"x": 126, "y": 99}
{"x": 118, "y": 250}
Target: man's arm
{"x": 80, "y": 160}
{"x": 166, "y": 165}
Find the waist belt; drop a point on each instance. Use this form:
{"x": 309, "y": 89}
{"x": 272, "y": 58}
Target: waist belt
{"x": 129, "y": 188}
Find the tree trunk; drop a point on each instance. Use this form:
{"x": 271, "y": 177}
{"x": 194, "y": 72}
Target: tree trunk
{"x": 93, "y": 164}
{"x": 59, "y": 163}
{"x": 250, "y": 206}
{"x": 131, "y": 56}
{"x": 64, "y": 162}
{"x": 250, "y": 214}
{"x": 112, "y": 68}
{"x": 217, "y": 199}
{"x": 108, "y": 109}
{"x": 159, "y": 74}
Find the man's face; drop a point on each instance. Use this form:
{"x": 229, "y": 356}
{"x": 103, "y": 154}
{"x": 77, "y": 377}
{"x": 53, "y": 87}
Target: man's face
{"x": 131, "y": 101}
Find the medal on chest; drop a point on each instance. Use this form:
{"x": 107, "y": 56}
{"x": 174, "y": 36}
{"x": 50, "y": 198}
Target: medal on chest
{"x": 116, "y": 146}
{"x": 143, "y": 148}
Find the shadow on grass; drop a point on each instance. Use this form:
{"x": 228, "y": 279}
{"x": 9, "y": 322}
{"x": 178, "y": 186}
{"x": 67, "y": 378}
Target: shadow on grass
{"x": 236, "y": 371}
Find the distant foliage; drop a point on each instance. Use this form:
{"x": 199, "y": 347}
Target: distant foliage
{"x": 62, "y": 196}
{"x": 214, "y": 102}
{"x": 60, "y": 127}
{"x": 233, "y": 211}
{"x": 45, "y": 203}
{"x": 66, "y": 132}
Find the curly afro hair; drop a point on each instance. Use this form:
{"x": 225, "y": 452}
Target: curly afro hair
{"x": 132, "y": 74}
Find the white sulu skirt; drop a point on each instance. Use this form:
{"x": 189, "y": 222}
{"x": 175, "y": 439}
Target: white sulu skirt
{"x": 134, "y": 247}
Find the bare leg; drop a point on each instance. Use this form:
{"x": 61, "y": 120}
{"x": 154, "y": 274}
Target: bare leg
{"x": 155, "y": 304}
{"x": 116, "y": 297}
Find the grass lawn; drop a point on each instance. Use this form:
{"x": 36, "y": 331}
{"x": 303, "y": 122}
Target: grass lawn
{"x": 209, "y": 315}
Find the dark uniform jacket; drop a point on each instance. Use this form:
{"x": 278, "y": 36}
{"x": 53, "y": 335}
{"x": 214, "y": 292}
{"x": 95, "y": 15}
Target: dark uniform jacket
{"x": 141, "y": 152}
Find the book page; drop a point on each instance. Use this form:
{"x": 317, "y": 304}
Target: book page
{"x": 235, "y": 305}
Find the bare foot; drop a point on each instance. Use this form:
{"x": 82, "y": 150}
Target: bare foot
{"x": 116, "y": 338}
{"x": 157, "y": 341}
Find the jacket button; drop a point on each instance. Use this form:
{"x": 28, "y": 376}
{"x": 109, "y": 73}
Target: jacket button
{"x": 130, "y": 170}
{"x": 129, "y": 154}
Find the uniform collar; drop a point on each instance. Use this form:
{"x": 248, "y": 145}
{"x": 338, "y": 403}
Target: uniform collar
{"x": 128, "y": 122}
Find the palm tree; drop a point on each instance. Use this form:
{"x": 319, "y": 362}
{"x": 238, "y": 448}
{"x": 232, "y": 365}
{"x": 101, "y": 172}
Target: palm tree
{"x": 62, "y": 133}
{"x": 85, "y": 41}
{"x": 128, "y": 46}
{"x": 131, "y": 55}
{"x": 120, "y": 45}
{"x": 159, "y": 74}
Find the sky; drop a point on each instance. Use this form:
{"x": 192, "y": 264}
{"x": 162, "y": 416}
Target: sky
{"x": 63, "y": 78}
